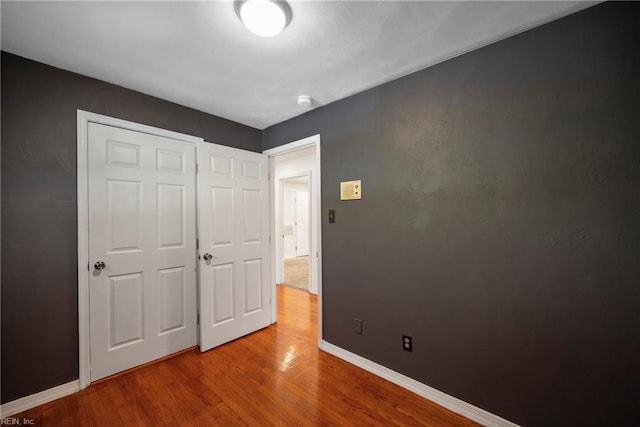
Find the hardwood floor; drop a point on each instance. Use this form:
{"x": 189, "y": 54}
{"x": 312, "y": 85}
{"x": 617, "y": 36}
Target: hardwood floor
{"x": 274, "y": 377}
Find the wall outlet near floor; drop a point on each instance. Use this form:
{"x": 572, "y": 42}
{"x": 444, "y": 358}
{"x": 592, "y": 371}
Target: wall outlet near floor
{"x": 357, "y": 326}
{"x": 407, "y": 343}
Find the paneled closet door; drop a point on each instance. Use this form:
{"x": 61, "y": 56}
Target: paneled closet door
{"x": 233, "y": 226}
{"x": 142, "y": 248}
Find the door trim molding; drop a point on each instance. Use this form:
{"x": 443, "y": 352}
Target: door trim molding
{"x": 83, "y": 120}
{"x": 454, "y": 404}
{"x": 295, "y": 145}
{"x": 315, "y": 188}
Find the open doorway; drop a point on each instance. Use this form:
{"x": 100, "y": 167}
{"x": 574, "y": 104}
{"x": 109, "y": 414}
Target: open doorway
{"x": 295, "y": 231}
{"x": 295, "y": 176}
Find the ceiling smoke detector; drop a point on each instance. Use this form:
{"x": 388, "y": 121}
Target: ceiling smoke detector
{"x": 304, "y": 101}
{"x": 265, "y": 18}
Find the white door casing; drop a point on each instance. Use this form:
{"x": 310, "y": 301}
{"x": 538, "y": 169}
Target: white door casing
{"x": 302, "y": 223}
{"x": 234, "y": 248}
{"x": 141, "y": 222}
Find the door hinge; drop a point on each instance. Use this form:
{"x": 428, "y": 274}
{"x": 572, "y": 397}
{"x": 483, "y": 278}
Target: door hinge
{"x": 198, "y": 319}
{"x": 197, "y": 243}
{"x": 88, "y": 268}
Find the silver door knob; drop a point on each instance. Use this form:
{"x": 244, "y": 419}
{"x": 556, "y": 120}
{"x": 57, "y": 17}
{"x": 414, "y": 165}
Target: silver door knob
{"x": 207, "y": 257}
{"x": 100, "y": 265}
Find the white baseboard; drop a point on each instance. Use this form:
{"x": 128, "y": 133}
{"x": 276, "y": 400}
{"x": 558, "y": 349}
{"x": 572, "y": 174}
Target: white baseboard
{"x": 453, "y": 404}
{"x": 37, "y": 399}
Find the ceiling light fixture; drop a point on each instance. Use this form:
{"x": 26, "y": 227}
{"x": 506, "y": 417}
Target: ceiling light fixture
{"x": 265, "y": 18}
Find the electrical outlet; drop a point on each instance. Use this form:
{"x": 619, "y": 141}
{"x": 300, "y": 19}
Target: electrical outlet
{"x": 357, "y": 326}
{"x": 407, "y": 343}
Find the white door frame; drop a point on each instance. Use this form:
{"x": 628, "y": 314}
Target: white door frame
{"x": 279, "y": 224}
{"x": 315, "y": 190}
{"x": 83, "y": 120}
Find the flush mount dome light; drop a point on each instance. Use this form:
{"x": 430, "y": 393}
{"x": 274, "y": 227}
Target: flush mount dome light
{"x": 265, "y": 18}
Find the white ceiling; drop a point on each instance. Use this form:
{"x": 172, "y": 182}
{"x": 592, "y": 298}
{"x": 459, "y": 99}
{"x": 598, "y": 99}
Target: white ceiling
{"x": 198, "y": 54}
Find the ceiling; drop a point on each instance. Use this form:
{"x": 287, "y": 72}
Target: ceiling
{"x": 200, "y": 55}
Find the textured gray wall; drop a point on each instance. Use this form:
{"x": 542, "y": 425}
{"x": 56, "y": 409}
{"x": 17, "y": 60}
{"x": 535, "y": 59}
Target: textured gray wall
{"x": 39, "y": 238}
{"x": 500, "y": 222}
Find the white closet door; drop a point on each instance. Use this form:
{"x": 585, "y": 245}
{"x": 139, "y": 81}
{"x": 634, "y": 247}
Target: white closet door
{"x": 233, "y": 225}
{"x": 142, "y": 246}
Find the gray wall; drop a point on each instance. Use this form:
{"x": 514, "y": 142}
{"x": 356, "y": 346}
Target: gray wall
{"x": 500, "y": 222}
{"x": 39, "y": 246}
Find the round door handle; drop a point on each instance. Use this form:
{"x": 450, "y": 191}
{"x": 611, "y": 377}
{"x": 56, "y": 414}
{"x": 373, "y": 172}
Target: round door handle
{"x": 100, "y": 265}
{"x": 207, "y": 257}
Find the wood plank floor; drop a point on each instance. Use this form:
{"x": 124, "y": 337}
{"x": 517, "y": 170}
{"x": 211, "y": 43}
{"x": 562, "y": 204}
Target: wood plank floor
{"x": 274, "y": 377}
